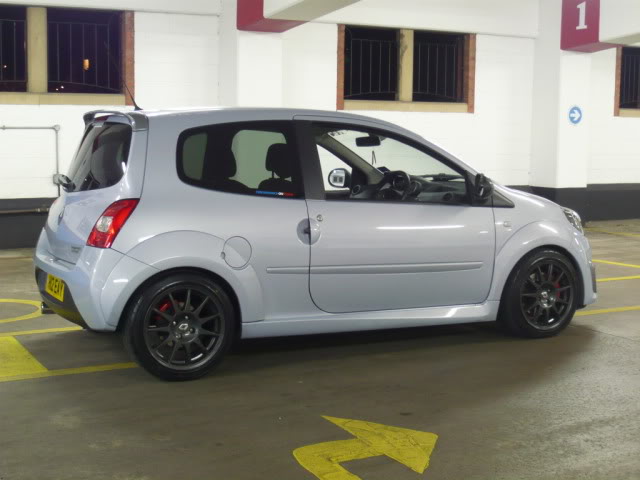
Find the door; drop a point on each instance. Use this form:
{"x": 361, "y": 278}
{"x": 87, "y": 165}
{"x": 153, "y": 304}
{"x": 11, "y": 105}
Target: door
{"x": 388, "y": 244}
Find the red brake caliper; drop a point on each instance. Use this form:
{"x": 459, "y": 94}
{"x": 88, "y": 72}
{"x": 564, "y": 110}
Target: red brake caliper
{"x": 163, "y": 308}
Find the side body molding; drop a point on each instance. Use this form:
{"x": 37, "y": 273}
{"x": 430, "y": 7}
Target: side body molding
{"x": 536, "y": 235}
{"x": 191, "y": 249}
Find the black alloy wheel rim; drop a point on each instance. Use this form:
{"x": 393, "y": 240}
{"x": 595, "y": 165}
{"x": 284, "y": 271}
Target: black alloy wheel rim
{"x": 184, "y": 327}
{"x": 547, "y": 294}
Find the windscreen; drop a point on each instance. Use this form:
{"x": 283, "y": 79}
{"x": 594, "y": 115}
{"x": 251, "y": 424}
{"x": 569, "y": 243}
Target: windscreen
{"x": 102, "y": 157}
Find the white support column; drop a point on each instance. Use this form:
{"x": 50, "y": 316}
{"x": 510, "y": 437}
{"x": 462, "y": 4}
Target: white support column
{"x": 250, "y": 64}
{"x": 560, "y": 149}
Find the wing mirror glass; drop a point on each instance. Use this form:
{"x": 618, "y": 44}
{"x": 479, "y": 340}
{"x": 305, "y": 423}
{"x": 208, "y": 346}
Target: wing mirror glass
{"x": 340, "y": 178}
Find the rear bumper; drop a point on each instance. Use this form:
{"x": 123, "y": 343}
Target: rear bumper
{"x": 67, "y": 309}
{"x": 84, "y": 283}
{"x": 98, "y": 285}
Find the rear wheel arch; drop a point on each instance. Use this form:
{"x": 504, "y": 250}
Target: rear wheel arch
{"x": 226, "y": 286}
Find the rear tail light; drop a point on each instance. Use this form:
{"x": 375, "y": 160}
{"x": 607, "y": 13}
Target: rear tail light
{"x": 111, "y": 222}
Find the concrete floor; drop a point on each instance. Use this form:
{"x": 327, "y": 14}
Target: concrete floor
{"x": 503, "y": 408}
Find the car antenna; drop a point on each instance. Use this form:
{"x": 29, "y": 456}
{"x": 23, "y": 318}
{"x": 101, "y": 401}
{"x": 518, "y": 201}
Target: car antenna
{"x": 122, "y": 79}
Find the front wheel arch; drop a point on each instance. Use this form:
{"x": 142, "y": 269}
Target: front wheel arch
{"x": 525, "y": 258}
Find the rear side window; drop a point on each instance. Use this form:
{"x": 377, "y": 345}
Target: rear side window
{"x": 102, "y": 157}
{"x": 257, "y": 158}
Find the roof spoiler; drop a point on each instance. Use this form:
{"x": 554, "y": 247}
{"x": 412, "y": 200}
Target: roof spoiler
{"x": 138, "y": 120}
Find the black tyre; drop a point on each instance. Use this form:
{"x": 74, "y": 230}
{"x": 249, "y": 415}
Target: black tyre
{"x": 541, "y": 295}
{"x": 180, "y": 327}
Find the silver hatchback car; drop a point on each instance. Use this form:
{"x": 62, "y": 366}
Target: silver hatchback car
{"x": 187, "y": 229}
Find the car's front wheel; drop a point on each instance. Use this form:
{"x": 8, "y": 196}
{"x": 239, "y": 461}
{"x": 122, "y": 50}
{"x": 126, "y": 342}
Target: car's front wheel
{"x": 541, "y": 295}
{"x": 179, "y": 327}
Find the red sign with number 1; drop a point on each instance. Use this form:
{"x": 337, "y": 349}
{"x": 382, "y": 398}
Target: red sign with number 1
{"x": 581, "y": 26}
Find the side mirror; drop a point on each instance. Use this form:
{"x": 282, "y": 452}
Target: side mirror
{"x": 340, "y": 178}
{"x": 482, "y": 188}
{"x": 62, "y": 180}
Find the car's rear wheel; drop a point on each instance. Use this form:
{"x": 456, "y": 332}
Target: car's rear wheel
{"x": 180, "y": 327}
{"x": 541, "y": 295}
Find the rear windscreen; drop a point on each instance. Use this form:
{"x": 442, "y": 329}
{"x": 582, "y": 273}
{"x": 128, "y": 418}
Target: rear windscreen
{"x": 102, "y": 157}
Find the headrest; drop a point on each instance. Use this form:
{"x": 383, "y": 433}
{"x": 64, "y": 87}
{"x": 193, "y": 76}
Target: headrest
{"x": 225, "y": 163}
{"x": 279, "y": 160}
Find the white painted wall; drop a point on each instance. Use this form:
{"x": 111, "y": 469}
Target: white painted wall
{"x": 176, "y": 60}
{"x": 259, "y": 64}
{"x": 28, "y": 157}
{"x": 614, "y": 150}
{"x": 198, "y": 7}
{"x": 176, "y": 64}
{"x": 310, "y": 66}
{"x": 517, "y": 18}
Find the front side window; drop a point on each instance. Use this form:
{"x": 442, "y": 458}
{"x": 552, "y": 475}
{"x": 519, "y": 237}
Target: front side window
{"x": 250, "y": 158}
{"x": 13, "y": 49}
{"x": 379, "y": 167}
{"x": 84, "y": 51}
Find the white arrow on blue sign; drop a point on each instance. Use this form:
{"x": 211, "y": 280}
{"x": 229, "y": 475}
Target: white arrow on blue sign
{"x": 575, "y": 115}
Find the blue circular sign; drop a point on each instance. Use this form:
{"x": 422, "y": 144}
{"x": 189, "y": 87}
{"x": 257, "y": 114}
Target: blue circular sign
{"x": 575, "y": 115}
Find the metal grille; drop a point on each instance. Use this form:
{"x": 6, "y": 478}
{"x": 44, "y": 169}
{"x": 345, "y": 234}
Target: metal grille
{"x": 371, "y": 64}
{"x": 630, "y": 78}
{"x": 438, "y": 67}
{"x": 13, "y": 55}
{"x": 84, "y": 55}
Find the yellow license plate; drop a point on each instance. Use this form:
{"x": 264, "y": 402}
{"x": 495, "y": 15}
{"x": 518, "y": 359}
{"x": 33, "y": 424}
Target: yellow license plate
{"x": 55, "y": 287}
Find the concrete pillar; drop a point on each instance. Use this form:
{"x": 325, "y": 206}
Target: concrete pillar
{"x": 250, "y": 64}
{"x": 37, "y": 69}
{"x": 560, "y": 149}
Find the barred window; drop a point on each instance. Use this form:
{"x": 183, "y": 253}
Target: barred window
{"x": 85, "y": 51}
{"x": 438, "y": 66}
{"x": 630, "y": 78}
{"x": 13, "y": 49}
{"x": 371, "y": 64}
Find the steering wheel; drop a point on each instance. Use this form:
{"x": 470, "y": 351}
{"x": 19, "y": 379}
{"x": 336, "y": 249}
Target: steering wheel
{"x": 397, "y": 182}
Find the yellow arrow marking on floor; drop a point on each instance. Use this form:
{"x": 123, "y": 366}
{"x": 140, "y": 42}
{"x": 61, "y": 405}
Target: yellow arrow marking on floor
{"x": 411, "y": 448}
{"x": 35, "y": 314}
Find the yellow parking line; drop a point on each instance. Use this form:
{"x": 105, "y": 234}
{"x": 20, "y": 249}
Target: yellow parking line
{"x": 35, "y": 314}
{"x": 607, "y": 310}
{"x": 67, "y": 371}
{"x": 614, "y": 279}
{"x": 608, "y": 262}
{"x": 15, "y": 360}
{"x": 609, "y": 232}
{"x": 42, "y": 330}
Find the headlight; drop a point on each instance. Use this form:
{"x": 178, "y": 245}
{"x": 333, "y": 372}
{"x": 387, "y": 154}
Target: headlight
{"x": 574, "y": 218}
